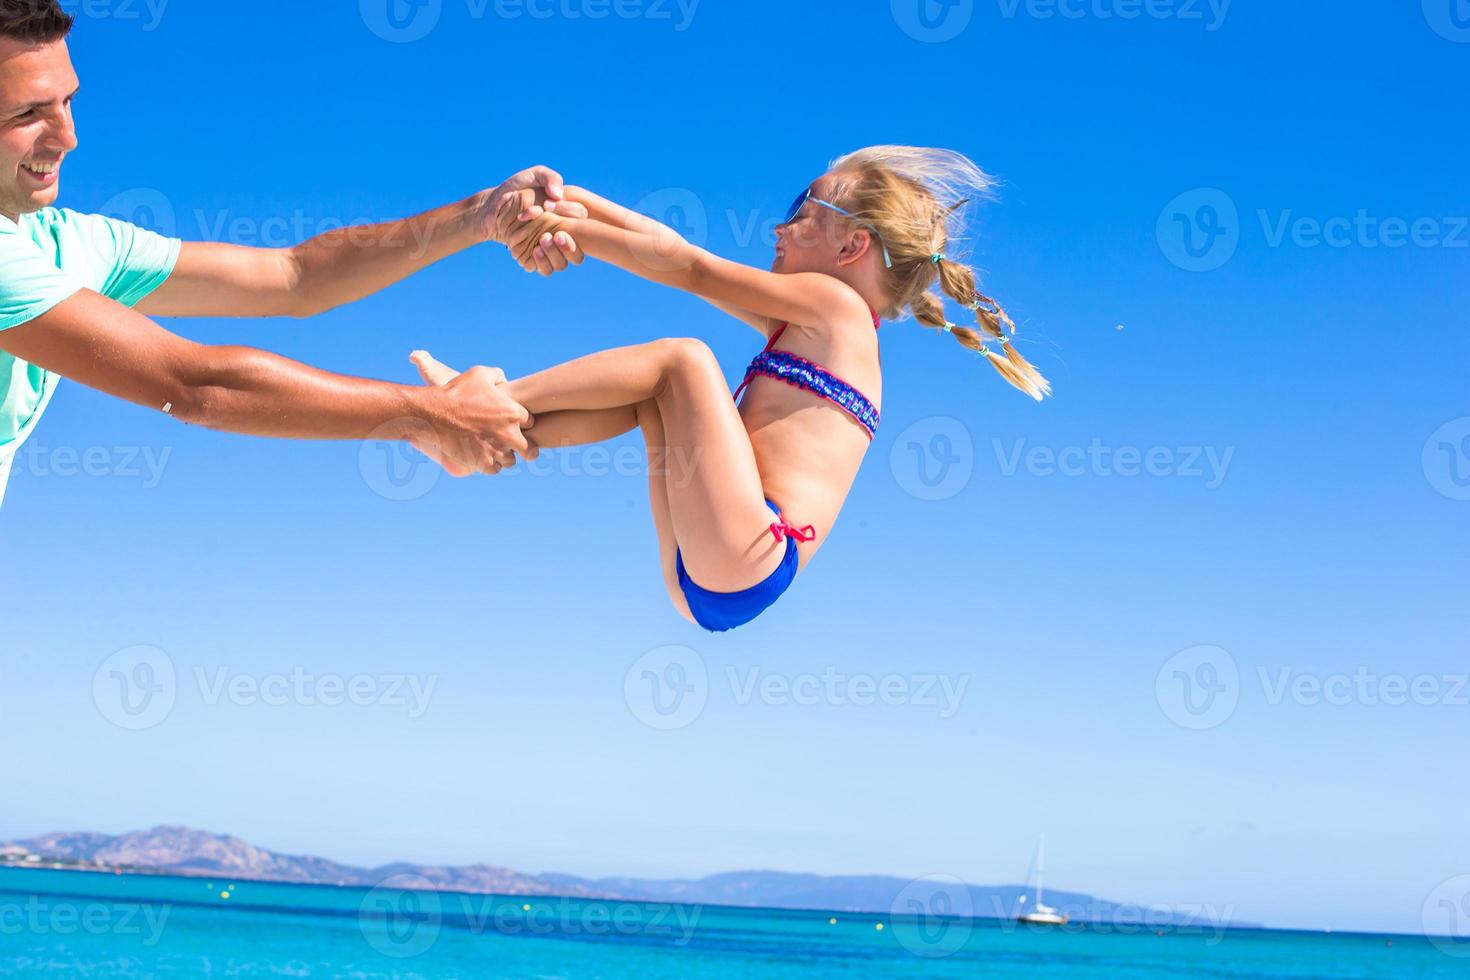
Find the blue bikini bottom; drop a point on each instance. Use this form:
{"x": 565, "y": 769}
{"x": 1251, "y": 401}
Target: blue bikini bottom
{"x": 720, "y": 611}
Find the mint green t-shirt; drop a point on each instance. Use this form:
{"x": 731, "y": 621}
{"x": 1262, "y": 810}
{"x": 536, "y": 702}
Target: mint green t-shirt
{"x": 48, "y": 257}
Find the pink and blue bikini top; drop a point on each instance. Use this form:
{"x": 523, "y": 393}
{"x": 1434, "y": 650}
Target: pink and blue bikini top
{"x": 801, "y": 373}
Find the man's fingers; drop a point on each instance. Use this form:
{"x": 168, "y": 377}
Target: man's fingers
{"x": 530, "y": 188}
{"x": 530, "y": 450}
{"x": 433, "y": 372}
{"x": 493, "y": 433}
{"x": 534, "y": 231}
{"x": 521, "y": 243}
{"x": 520, "y": 200}
{"x": 549, "y": 179}
{"x": 528, "y": 237}
{"x": 514, "y": 440}
{"x": 509, "y": 205}
{"x": 538, "y": 176}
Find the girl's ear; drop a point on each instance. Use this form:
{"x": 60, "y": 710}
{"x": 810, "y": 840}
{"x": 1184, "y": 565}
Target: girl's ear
{"x": 854, "y": 246}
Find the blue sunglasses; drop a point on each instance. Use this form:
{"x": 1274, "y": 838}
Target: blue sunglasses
{"x": 806, "y": 195}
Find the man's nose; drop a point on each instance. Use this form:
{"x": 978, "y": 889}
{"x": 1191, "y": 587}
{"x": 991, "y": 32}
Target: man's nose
{"x": 62, "y": 134}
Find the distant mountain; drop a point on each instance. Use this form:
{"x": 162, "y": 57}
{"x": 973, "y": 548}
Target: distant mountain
{"x": 842, "y": 893}
{"x": 184, "y": 851}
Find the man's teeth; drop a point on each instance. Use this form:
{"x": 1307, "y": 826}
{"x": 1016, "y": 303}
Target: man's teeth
{"x": 41, "y": 168}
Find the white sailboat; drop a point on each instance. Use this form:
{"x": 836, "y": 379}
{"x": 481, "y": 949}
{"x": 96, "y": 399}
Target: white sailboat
{"x": 1040, "y": 913}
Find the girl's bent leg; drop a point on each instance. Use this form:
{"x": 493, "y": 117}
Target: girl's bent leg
{"x": 716, "y": 502}
{"x": 560, "y": 430}
{"x": 652, "y": 424}
{"x": 623, "y": 376}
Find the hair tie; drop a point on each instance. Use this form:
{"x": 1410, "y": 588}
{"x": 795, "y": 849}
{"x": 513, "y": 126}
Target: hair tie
{"x": 948, "y": 327}
{"x": 937, "y": 258}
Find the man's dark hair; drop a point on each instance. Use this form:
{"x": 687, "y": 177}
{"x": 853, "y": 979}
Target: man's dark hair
{"x": 38, "y": 21}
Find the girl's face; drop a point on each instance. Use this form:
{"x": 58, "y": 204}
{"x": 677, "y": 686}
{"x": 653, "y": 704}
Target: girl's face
{"x": 814, "y": 239}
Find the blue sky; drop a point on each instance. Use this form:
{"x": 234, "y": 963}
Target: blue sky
{"x": 1259, "y": 446}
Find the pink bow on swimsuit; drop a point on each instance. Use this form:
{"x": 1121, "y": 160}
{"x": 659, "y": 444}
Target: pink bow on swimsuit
{"x": 782, "y": 529}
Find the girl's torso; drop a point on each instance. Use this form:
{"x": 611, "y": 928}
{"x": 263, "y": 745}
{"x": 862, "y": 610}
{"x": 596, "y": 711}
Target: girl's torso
{"x": 809, "y": 448}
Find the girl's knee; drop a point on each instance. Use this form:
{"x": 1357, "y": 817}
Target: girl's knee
{"x": 688, "y": 355}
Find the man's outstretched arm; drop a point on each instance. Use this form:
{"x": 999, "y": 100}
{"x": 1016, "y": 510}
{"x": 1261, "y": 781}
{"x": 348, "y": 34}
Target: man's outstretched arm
{"x": 339, "y": 267}
{"x": 469, "y": 425}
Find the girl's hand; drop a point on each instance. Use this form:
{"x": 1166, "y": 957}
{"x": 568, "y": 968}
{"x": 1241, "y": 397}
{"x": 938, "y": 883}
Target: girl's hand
{"x": 539, "y": 242}
{"x": 550, "y": 251}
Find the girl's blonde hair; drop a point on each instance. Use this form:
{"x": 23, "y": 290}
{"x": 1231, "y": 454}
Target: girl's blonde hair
{"x": 913, "y": 198}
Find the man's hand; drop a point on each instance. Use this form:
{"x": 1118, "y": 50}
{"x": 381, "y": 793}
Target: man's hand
{"x": 538, "y": 188}
{"x": 480, "y": 429}
{"x": 544, "y": 182}
{"x": 552, "y": 250}
{"x": 534, "y": 185}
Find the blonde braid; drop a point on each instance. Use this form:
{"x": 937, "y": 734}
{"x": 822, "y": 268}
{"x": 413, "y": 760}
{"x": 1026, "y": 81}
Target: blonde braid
{"x": 913, "y": 198}
{"x": 958, "y": 282}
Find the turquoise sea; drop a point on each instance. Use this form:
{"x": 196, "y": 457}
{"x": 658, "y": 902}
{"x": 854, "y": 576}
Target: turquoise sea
{"x": 68, "y": 923}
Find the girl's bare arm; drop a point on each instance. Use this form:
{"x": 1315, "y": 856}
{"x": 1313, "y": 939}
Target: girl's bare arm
{"x": 610, "y": 212}
{"x": 655, "y": 252}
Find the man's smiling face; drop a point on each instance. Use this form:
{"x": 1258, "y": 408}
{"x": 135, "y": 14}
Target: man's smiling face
{"x": 37, "y": 85}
